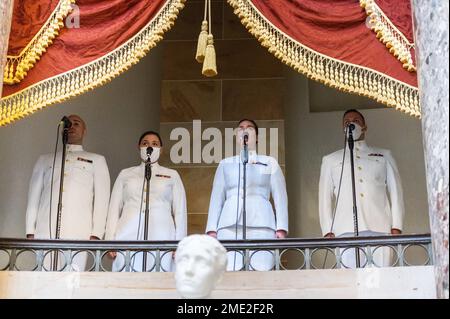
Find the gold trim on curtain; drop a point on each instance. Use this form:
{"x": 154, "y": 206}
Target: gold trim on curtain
{"x": 332, "y": 72}
{"x": 94, "y": 74}
{"x": 398, "y": 45}
{"x": 17, "y": 66}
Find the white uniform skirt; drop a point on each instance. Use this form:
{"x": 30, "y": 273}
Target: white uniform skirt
{"x": 259, "y": 260}
{"x": 129, "y": 232}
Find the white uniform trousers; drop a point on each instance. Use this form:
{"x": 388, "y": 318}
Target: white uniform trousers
{"x": 259, "y": 260}
{"x": 381, "y": 256}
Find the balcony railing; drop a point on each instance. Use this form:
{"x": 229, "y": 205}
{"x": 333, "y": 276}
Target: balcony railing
{"x": 292, "y": 253}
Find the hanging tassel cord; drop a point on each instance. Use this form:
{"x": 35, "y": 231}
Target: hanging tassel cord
{"x": 209, "y": 64}
{"x": 203, "y": 37}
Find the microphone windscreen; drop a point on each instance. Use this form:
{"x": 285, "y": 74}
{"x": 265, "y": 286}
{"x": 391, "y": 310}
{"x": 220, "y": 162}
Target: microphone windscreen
{"x": 66, "y": 121}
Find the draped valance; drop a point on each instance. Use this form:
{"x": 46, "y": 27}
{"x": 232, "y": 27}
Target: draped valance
{"x": 350, "y": 45}
{"x": 34, "y": 26}
{"x": 60, "y": 49}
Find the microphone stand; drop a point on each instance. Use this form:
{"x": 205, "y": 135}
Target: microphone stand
{"x": 244, "y": 200}
{"x": 148, "y": 175}
{"x": 61, "y": 184}
{"x": 351, "y": 144}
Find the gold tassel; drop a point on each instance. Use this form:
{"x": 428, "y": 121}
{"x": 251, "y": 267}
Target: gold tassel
{"x": 209, "y": 64}
{"x": 202, "y": 42}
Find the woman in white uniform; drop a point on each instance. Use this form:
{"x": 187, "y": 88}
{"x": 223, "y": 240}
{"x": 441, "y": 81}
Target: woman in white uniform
{"x": 264, "y": 179}
{"x": 167, "y": 208}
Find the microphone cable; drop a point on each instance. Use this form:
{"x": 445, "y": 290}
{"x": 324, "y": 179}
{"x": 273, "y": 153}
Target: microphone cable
{"x": 338, "y": 193}
{"x": 237, "y": 216}
{"x": 140, "y": 213}
{"x": 51, "y": 185}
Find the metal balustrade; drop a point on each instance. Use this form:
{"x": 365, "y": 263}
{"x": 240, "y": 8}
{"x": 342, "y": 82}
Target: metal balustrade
{"x": 288, "y": 254}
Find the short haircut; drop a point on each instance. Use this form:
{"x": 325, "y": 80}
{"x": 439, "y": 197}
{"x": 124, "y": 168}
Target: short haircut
{"x": 251, "y": 121}
{"x": 79, "y": 118}
{"x": 354, "y": 111}
{"x": 215, "y": 249}
{"x": 150, "y": 133}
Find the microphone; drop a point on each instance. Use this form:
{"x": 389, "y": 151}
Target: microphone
{"x": 245, "y": 150}
{"x": 351, "y": 141}
{"x": 149, "y": 152}
{"x": 148, "y": 169}
{"x": 351, "y": 127}
{"x": 245, "y": 137}
{"x": 67, "y": 123}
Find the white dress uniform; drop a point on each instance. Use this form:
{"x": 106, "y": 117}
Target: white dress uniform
{"x": 378, "y": 191}
{"x": 167, "y": 212}
{"x": 85, "y": 198}
{"x": 264, "y": 178}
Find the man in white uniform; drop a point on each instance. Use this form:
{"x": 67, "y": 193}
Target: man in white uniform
{"x": 264, "y": 179}
{"x": 85, "y": 195}
{"x": 378, "y": 190}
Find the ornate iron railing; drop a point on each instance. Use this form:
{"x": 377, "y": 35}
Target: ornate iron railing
{"x": 292, "y": 253}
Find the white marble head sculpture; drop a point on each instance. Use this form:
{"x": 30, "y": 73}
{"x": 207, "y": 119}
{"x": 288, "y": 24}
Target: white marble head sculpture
{"x": 201, "y": 261}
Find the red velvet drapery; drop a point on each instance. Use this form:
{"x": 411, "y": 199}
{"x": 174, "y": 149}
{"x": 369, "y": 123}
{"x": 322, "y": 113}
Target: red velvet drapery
{"x": 112, "y": 35}
{"x": 364, "y": 47}
{"x": 28, "y": 18}
{"x": 391, "y": 21}
{"x": 399, "y": 13}
{"x": 335, "y": 42}
{"x": 34, "y": 26}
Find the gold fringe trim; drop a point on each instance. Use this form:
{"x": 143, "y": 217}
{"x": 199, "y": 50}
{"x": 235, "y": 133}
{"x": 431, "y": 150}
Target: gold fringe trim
{"x": 389, "y": 35}
{"x": 91, "y": 75}
{"x": 335, "y": 73}
{"x": 17, "y": 66}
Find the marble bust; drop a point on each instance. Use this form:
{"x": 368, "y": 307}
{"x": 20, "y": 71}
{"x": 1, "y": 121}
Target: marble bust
{"x": 200, "y": 261}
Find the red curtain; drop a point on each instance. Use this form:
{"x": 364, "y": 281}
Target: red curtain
{"x": 112, "y": 35}
{"x": 364, "y": 47}
{"x": 391, "y": 21}
{"x": 104, "y": 26}
{"x": 34, "y": 26}
{"x": 28, "y": 18}
{"x": 399, "y": 13}
{"x": 333, "y": 42}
